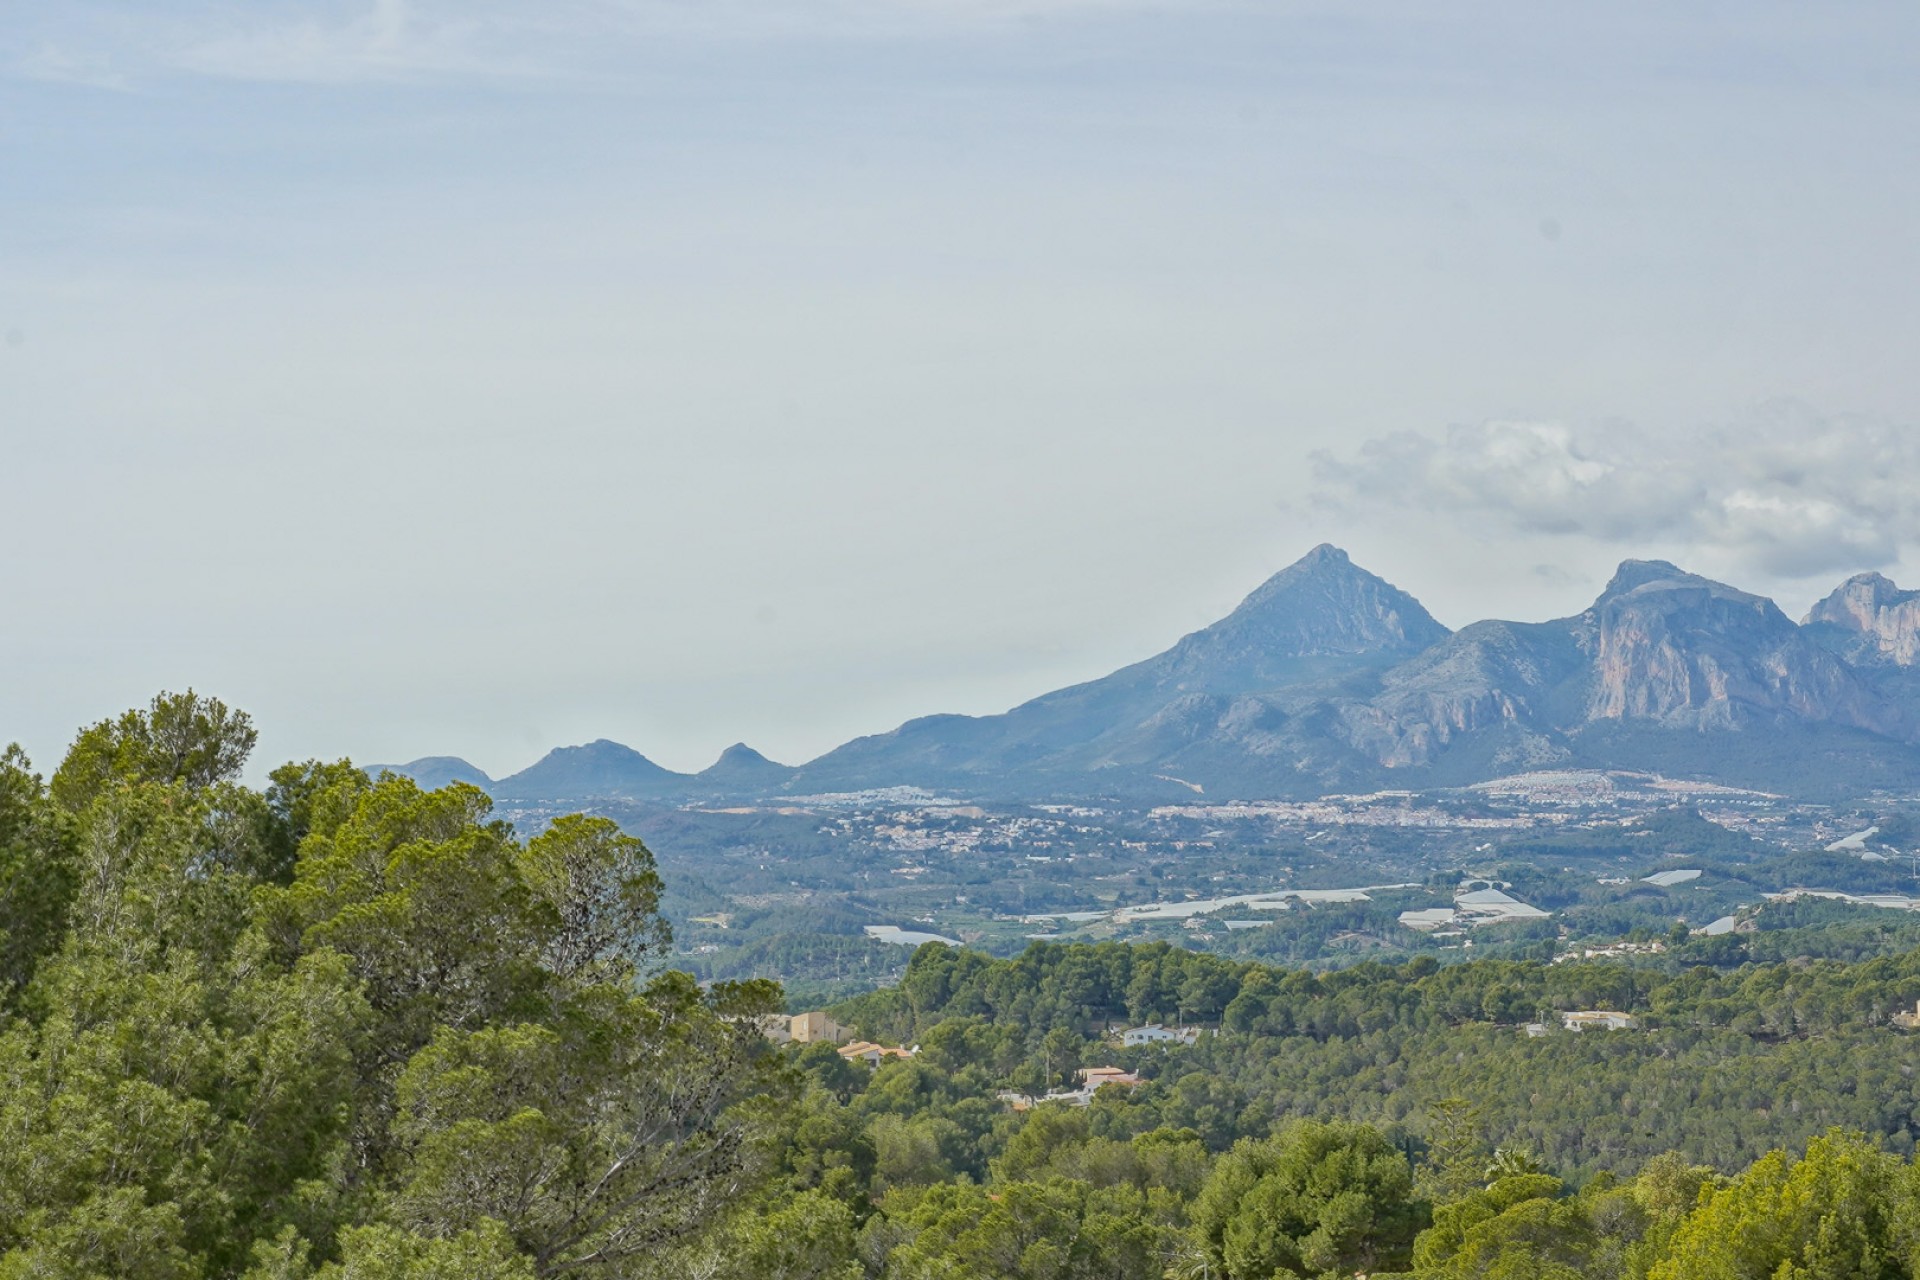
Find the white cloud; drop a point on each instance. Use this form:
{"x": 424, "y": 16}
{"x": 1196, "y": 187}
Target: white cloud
{"x": 56, "y": 65}
{"x": 1787, "y": 493}
{"x": 105, "y": 45}
{"x": 388, "y": 40}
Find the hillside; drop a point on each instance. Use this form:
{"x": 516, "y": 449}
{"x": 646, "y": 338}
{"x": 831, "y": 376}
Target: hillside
{"x": 370, "y": 1032}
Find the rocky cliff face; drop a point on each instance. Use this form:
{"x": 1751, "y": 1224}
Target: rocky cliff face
{"x": 1691, "y": 653}
{"x": 1876, "y": 619}
{"x": 1660, "y": 651}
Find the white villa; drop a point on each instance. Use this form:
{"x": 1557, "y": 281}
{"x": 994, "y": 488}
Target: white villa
{"x": 1154, "y": 1033}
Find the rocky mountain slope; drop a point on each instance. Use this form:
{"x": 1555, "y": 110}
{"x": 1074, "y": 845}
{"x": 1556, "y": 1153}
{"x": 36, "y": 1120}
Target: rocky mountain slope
{"x": 1318, "y": 624}
{"x": 1870, "y": 621}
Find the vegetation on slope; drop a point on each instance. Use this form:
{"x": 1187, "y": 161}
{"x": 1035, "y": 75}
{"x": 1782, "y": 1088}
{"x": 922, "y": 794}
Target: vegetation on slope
{"x": 351, "y": 1029}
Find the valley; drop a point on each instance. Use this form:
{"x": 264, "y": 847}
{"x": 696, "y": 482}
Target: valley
{"x": 794, "y": 891}
{"x": 1237, "y": 792}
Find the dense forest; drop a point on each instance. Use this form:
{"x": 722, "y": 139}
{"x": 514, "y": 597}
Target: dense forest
{"x": 341, "y": 1027}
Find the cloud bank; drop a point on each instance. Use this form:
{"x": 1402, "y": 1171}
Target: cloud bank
{"x": 580, "y": 43}
{"x": 1787, "y": 493}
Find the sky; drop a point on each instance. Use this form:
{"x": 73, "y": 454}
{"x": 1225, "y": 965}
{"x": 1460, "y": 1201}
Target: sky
{"x": 474, "y": 378}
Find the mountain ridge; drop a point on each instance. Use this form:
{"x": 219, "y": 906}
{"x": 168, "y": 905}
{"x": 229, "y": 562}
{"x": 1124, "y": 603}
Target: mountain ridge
{"x": 1326, "y": 677}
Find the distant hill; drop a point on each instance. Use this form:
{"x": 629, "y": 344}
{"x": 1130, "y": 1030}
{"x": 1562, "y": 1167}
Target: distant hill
{"x": 434, "y": 772}
{"x": 599, "y": 769}
{"x": 1328, "y": 678}
{"x": 742, "y": 770}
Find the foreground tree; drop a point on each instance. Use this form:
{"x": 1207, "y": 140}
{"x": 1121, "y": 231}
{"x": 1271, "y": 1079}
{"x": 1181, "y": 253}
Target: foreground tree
{"x": 180, "y": 738}
{"x": 345, "y": 1029}
{"x": 38, "y": 875}
{"x": 1834, "y": 1214}
{"x": 1317, "y": 1200}
{"x": 1515, "y": 1227}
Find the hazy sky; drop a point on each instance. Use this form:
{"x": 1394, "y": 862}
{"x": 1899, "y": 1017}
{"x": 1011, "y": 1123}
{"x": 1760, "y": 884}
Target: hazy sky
{"x": 474, "y": 377}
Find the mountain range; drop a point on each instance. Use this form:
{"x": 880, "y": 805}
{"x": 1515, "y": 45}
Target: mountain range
{"x": 1327, "y": 678}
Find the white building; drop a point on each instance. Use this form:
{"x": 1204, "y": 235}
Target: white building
{"x": 1154, "y": 1033}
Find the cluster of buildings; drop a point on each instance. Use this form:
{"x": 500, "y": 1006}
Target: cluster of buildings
{"x": 1092, "y": 1080}
{"x": 953, "y": 828}
{"x": 807, "y": 1028}
{"x": 1380, "y": 809}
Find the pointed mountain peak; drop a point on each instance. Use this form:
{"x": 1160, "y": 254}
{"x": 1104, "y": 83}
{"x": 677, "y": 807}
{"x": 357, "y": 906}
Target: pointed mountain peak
{"x": 1325, "y": 558}
{"x": 741, "y": 760}
{"x": 1324, "y": 569}
{"x": 1326, "y": 589}
{"x": 741, "y": 770}
{"x": 1322, "y": 606}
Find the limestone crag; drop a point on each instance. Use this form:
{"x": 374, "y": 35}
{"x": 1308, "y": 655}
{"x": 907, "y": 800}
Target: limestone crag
{"x": 1692, "y": 653}
{"x": 1883, "y": 620}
